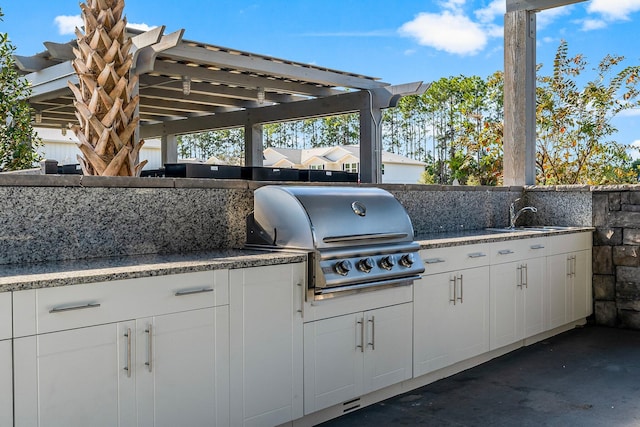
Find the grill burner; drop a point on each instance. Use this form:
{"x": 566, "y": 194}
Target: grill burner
{"x": 359, "y": 238}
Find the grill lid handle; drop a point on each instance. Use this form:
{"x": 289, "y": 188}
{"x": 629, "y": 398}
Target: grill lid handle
{"x": 365, "y": 237}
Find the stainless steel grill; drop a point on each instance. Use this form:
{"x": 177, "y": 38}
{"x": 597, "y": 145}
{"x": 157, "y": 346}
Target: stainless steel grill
{"x": 358, "y": 238}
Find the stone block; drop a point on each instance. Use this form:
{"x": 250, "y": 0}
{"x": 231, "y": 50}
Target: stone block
{"x": 634, "y": 197}
{"x": 600, "y": 210}
{"x": 604, "y": 287}
{"x": 606, "y": 313}
{"x": 628, "y": 274}
{"x": 628, "y": 256}
{"x": 628, "y": 295}
{"x": 624, "y": 198}
{"x": 631, "y": 236}
{"x": 624, "y": 219}
{"x": 614, "y": 202}
{"x": 602, "y": 260}
{"x": 607, "y": 236}
{"x": 629, "y": 319}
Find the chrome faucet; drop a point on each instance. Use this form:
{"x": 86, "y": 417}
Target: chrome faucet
{"x": 513, "y": 215}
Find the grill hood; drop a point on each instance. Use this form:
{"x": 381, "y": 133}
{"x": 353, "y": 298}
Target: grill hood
{"x": 308, "y": 217}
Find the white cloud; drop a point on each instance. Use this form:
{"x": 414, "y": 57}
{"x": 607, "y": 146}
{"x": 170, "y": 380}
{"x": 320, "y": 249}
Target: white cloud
{"x": 614, "y": 10}
{"x": 492, "y": 11}
{"x": 67, "y": 24}
{"x": 141, "y": 27}
{"x": 593, "y": 24}
{"x": 453, "y": 5}
{"x": 546, "y": 17}
{"x": 448, "y": 32}
{"x": 634, "y": 149}
{"x": 633, "y": 112}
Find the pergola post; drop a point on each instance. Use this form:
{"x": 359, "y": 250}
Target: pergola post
{"x": 519, "y": 98}
{"x": 519, "y": 167}
{"x": 371, "y": 145}
{"x": 169, "y": 148}
{"x": 253, "y": 145}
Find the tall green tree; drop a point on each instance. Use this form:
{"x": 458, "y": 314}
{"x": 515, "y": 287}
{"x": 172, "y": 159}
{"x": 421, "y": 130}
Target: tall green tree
{"x": 18, "y": 140}
{"x": 225, "y": 144}
{"x": 575, "y": 134}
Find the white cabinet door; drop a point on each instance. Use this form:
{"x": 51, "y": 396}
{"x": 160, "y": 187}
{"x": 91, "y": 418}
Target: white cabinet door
{"x": 76, "y": 377}
{"x": 388, "y": 346}
{"x": 557, "y": 293}
{"x": 266, "y": 342}
{"x": 581, "y": 285}
{"x": 352, "y": 355}
{"x": 450, "y": 325}
{"x": 517, "y": 301}
{"x": 534, "y": 276}
{"x": 6, "y": 383}
{"x": 506, "y": 305}
{"x": 333, "y": 365}
{"x": 178, "y": 365}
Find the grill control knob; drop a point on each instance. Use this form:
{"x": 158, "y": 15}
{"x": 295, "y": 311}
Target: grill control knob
{"x": 388, "y": 262}
{"x": 407, "y": 260}
{"x": 366, "y": 265}
{"x": 343, "y": 267}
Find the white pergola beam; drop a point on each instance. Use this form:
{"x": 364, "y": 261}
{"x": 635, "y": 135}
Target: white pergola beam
{"x": 258, "y": 64}
{"x": 246, "y": 80}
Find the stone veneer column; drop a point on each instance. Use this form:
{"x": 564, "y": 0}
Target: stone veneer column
{"x": 616, "y": 256}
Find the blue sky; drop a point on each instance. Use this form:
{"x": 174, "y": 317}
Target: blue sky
{"x": 398, "y": 41}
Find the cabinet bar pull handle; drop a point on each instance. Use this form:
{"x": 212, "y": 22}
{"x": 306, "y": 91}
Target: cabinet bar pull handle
{"x": 537, "y": 246}
{"x": 193, "y": 291}
{"x": 433, "y": 260}
{"x": 75, "y": 307}
{"x": 149, "y": 331}
{"x": 454, "y": 280}
{"x": 300, "y": 310}
{"x": 128, "y": 367}
{"x": 373, "y": 332}
{"x": 505, "y": 251}
{"x": 361, "y": 323}
{"x": 519, "y": 268}
{"x": 461, "y": 288}
{"x": 526, "y": 276}
{"x": 476, "y": 255}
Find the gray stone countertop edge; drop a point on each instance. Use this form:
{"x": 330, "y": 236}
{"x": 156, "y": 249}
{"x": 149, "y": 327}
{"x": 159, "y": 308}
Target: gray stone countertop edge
{"x": 433, "y": 241}
{"x": 45, "y": 276}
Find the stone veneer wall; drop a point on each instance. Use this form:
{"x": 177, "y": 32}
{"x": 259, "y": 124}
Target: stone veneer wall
{"x": 616, "y": 256}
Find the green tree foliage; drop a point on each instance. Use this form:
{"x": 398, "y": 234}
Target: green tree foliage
{"x": 575, "y": 142}
{"x": 465, "y": 119}
{"x": 227, "y": 145}
{"x": 456, "y": 126}
{"x": 18, "y": 140}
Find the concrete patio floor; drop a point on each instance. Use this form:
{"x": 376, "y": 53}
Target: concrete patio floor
{"x": 588, "y": 376}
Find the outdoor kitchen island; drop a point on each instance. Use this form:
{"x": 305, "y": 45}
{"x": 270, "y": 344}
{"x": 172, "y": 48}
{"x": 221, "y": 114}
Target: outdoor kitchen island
{"x": 229, "y": 339}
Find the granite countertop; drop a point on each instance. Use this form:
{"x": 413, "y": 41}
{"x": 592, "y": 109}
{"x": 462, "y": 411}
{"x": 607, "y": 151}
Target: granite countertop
{"x": 465, "y": 237}
{"x": 14, "y": 277}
